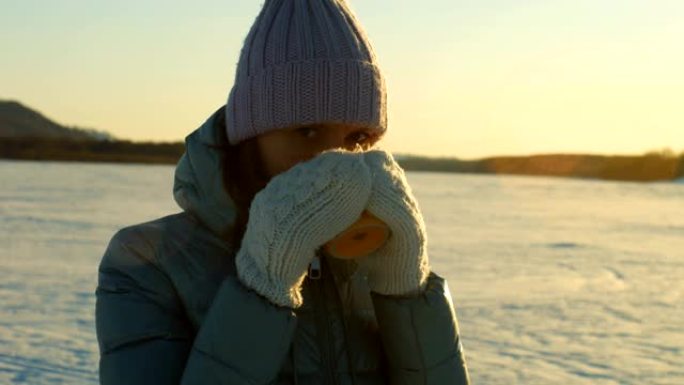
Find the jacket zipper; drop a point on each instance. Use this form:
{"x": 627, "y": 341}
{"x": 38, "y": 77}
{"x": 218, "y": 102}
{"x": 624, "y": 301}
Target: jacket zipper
{"x": 324, "y": 343}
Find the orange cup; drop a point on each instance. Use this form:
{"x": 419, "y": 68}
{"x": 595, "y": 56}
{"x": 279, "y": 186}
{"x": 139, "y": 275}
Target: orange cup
{"x": 363, "y": 237}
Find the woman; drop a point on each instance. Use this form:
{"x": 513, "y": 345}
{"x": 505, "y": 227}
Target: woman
{"x": 234, "y": 289}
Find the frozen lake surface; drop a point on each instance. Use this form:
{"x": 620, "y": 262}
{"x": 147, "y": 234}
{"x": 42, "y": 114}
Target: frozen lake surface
{"x": 555, "y": 281}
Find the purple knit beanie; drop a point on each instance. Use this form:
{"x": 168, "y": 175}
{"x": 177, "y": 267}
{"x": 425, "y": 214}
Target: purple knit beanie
{"x": 305, "y": 62}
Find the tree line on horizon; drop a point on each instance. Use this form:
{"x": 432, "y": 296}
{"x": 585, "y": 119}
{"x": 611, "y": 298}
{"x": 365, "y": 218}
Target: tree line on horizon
{"x": 652, "y": 166}
{"x": 27, "y": 134}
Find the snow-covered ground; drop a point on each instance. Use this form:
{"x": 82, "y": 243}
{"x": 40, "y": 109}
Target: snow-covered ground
{"x": 556, "y": 281}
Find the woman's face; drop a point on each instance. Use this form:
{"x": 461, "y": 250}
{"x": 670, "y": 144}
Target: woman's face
{"x": 282, "y": 149}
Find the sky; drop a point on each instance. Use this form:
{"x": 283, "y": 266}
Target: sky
{"x": 465, "y": 79}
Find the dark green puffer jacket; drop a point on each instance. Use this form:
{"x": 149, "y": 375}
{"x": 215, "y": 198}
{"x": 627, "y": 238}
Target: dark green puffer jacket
{"x": 170, "y": 309}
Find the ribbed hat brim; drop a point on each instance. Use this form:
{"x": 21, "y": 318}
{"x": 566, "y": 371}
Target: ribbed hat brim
{"x": 307, "y": 92}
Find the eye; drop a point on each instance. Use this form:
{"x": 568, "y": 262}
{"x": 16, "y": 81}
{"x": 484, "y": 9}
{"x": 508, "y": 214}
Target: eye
{"x": 308, "y": 132}
{"x": 361, "y": 137}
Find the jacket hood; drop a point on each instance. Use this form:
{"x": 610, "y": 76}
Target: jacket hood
{"x": 198, "y": 182}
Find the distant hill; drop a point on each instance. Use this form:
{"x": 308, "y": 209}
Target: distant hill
{"x": 19, "y": 121}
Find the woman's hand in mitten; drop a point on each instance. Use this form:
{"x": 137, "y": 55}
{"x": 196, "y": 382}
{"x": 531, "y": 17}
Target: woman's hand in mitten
{"x": 400, "y": 266}
{"x": 297, "y": 212}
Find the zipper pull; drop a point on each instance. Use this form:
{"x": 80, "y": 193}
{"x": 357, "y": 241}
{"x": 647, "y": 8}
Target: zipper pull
{"x": 315, "y": 268}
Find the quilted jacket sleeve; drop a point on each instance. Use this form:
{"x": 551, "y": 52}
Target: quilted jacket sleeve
{"x": 145, "y": 338}
{"x": 421, "y": 338}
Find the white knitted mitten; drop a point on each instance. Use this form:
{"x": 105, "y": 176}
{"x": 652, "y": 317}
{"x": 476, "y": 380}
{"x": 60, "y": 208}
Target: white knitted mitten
{"x": 400, "y": 267}
{"x": 297, "y": 212}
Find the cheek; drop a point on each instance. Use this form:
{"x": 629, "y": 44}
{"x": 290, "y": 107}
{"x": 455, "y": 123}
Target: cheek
{"x": 280, "y": 151}
{"x": 295, "y": 158}
{"x": 282, "y": 160}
